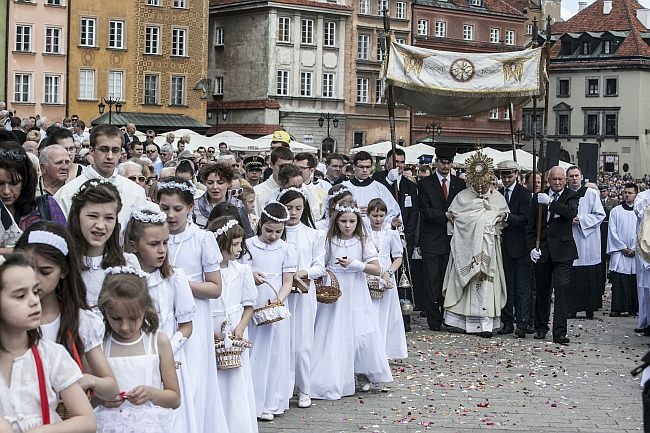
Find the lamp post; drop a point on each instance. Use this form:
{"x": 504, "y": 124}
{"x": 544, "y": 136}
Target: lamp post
{"x": 321, "y": 121}
{"x": 215, "y": 111}
{"x": 110, "y": 102}
{"x": 519, "y": 133}
{"x": 433, "y": 129}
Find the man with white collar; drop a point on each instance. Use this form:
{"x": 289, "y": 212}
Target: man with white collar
{"x": 269, "y": 189}
{"x": 105, "y": 147}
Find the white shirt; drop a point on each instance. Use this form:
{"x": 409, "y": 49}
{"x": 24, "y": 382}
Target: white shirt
{"x": 265, "y": 192}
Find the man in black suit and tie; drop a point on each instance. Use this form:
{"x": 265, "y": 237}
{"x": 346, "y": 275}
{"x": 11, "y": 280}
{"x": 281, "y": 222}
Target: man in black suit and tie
{"x": 435, "y": 193}
{"x": 557, "y": 251}
{"x": 130, "y": 137}
{"x": 516, "y": 261}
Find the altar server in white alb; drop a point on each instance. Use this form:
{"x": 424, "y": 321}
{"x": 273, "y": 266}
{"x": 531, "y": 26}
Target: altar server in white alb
{"x": 621, "y": 247}
{"x": 586, "y": 234}
{"x": 642, "y": 211}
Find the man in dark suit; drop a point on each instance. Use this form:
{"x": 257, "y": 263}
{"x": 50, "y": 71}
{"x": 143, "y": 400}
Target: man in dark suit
{"x": 557, "y": 251}
{"x": 435, "y": 193}
{"x": 516, "y": 261}
{"x": 407, "y": 198}
{"x": 130, "y": 137}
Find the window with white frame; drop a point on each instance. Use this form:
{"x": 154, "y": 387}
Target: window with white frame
{"x": 328, "y": 85}
{"x": 53, "y": 40}
{"x": 153, "y": 2}
{"x": 151, "y": 88}
{"x": 306, "y": 83}
{"x": 400, "y": 10}
{"x": 382, "y": 5}
{"x": 379, "y": 90}
{"x": 218, "y": 86}
{"x": 423, "y": 27}
{"x": 400, "y": 40}
{"x": 494, "y": 113}
{"x": 87, "y": 84}
{"x": 115, "y": 84}
{"x": 282, "y": 83}
{"x": 363, "y": 47}
{"x": 179, "y": 4}
{"x": 179, "y": 40}
{"x": 53, "y": 3}
{"x": 23, "y": 38}
{"x": 529, "y": 29}
{"x": 307, "y": 31}
{"x": 362, "y": 90}
{"x": 22, "y": 87}
{"x": 495, "y": 36}
{"x": 476, "y": 2}
{"x": 177, "y": 90}
{"x": 468, "y": 32}
{"x": 510, "y": 37}
{"x": 88, "y": 32}
{"x": 506, "y": 114}
{"x": 441, "y": 29}
{"x": 116, "y": 34}
{"x": 52, "y": 89}
{"x": 284, "y": 29}
{"x": 152, "y": 40}
{"x": 380, "y": 52}
{"x": 218, "y": 37}
{"x": 364, "y": 7}
{"x": 329, "y": 34}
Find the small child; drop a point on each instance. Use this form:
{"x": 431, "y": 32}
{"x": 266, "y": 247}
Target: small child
{"x": 336, "y": 194}
{"x": 248, "y": 198}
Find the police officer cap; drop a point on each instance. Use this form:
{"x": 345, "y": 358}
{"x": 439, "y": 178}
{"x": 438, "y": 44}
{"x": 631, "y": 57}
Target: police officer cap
{"x": 254, "y": 162}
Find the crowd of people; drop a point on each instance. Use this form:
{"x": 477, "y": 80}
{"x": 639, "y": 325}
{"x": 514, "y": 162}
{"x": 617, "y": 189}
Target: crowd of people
{"x": 127, "y": 263}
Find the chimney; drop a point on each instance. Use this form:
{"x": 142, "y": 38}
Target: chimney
{"x": 607, "y": 7}
{"x": 643, "y": 15}
{"x": 581, "y": 6}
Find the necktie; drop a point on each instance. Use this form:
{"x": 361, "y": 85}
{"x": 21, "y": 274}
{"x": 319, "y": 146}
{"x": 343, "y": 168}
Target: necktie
{"x": 508, "y": 195}
{"x": 444, "y": 188}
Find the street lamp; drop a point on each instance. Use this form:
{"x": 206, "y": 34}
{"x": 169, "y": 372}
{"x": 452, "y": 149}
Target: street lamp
{"x": 215, "y": 111}
{"x": 110, "y": 102}
{"x": 518, "y": 134}
{"x": 433, "y": 129}
{"x": 321, "y": 120}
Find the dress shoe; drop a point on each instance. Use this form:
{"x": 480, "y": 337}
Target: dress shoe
{"x": 506, "y": 329}
{"x": 520, "y": 333}
{"x": 539, "y": 335}
{"x": 639, "y": 330}
{"x": 304, "y": 400}
{"x": 435, "y": 327}
{"x": 561, "y": 340}
{"x": 589, "y": 315}
{"x": 486, "y": 334}
{"x": 266, "y": 416}
{"x": 614, "y": 314}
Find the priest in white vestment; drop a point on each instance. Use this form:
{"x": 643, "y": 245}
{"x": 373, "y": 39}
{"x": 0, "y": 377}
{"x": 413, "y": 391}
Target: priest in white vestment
{"x": 642, "y": 211}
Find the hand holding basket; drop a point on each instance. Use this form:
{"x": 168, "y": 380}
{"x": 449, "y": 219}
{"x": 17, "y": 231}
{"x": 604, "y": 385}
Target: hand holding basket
{"x": 273, "y": 311}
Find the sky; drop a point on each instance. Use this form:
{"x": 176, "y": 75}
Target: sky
{"x": 570, "y": 7}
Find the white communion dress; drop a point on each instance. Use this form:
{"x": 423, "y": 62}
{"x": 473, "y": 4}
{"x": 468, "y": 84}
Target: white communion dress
{"x": 94, "y": 277}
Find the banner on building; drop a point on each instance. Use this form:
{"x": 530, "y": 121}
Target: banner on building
{"x": 447, "y": 83}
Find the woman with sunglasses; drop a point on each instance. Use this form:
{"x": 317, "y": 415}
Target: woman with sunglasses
{"x": 218, "y": 179}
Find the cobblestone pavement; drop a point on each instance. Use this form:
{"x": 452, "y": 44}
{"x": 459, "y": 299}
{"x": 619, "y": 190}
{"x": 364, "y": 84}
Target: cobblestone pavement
{"x": 460, "y": 383}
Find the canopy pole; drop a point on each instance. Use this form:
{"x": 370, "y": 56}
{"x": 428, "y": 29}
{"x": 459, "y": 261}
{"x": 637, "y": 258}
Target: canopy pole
{"x": 512, "y": 132}
{"x": 389, "y": 98}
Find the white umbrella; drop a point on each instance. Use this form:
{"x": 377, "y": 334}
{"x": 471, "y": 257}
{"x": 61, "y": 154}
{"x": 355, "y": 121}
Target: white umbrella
{"x": 496, "y": 156}
{"x": 235, "y": 141}
{"x": 414, "y": 151}
{"x": 264, "y": 143}
{"x": 196, "y": 140}
{"x": 378, "y": 149}
{"x": 525, "y": 160}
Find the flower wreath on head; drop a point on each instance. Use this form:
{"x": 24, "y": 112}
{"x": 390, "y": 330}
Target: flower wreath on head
{"x": 291, "y": 188}
{"x": 274, "y": 218}
{"x": 340, "y": 191}
{"x": 148, "y": 213}
{"x": 224, "y": 229}
{"x": 93, "y": 183}
{"x": 117, "y": 270}
{"x": 176, "y": 185}
{"x": 340, "y": 208}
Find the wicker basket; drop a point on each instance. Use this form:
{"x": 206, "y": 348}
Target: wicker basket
{"x": 300, "y": 285}
{"x": 230, "y": 357}
{"x": 272, "y": 312}
{"x": 328, "y": 294}
{"x": 375, "y": 287}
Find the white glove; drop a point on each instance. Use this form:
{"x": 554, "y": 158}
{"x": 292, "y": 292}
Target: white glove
{"x": 543, "y": 198}
{"x": 535, "y": 255}
{"x": 393, "y": 175}
{"x": 357, "y": 265}
{"x": 177, "y": 341}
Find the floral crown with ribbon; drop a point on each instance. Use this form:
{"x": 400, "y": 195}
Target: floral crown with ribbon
{"x": 274, "y": 218}
{"x": 148, "y": 213}
{"x": 176, "y": 185}
{"x": 48, "y": 238}
{"x": 340, "y": 191}
{"x": 117, "y": 270}
{"x": 224, "y": 229}
{"x": 93, "y": 183}
{"x": 340, "y": 208}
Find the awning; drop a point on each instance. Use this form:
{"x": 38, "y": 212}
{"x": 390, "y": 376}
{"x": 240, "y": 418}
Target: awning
{"x": 159, "y": 122}
{"x": 470, "y": 141}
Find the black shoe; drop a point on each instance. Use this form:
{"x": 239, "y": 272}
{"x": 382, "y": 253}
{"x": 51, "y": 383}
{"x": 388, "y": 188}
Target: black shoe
{"x": 539, "y": 335}
{"x": 589, "y": 315}
{"x": 520, "y": 333}
{"x": 486, "y": 334}
{"x": 625, "y": 314}
{"x": 646, "y": 331}
{"x": 423, "y": 314}
{"x": 407, "y": 328}
{"x": 614, "y": 314}
{"x": 561, "y": 340}
{"x": 434, "y": 327}
{"x": 530, "y": 330}
{"x": 639, "y": 330}
{"x": 506, "y": 329}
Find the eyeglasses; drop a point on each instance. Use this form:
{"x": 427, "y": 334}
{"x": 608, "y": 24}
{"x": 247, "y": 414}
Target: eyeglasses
{"x": 210, "y": 151}
{"x": 85, "y": 146}
{"x": 151, "y": 136}
{"x": 151, "y": 180}
{"x": 151, "y": 151}
{"x": 15, "y": 154}
{"x": 113, "y": 150}
{"x": 138, "y": 179}
{"x": 236, "y": 192}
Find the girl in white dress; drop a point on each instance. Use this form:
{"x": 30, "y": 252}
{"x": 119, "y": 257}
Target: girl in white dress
{"x": 336, "y": 194}
{"x": 94, "y": 229}
{"x": 33, "y": 371}
{"x": 310, "y": 245}
{"x": 389, "y": 245}
{"x": 346, "y": 334}
{"x": 274, "y": 261}
{"x": 141, "y": 358}
{"x": 196, "y": 252}
{"x": 235, "y": 308}
{"x": 65, "y": 316}
{"x": 146, "y": 235}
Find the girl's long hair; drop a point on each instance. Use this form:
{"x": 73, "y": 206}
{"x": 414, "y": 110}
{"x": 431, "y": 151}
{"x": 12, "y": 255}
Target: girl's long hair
{"x": 276, "y": 210}
{"x": 131, "y": 288}
{"x": 19, "y": 168}
{"x": 225, "y": 240}
{"x": 306, "y": 217}
{"x": 333, "y": 230}
{"x": 135, "y": 230}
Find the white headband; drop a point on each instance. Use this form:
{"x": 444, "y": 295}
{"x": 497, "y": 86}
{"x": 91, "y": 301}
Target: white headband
{"x": 291, "y": 188}
{"x": 176, "y": 185}
{"x": 274, "y": 218}
{"x": 48, "y": 238}
{"x": 224, "y": 229}
{"x": 117, "y": 270}
{"x": 347, "y": 209}
{"x": 148, "y": 213}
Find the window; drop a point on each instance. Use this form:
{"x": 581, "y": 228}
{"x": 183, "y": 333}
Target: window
{"x": 87, "y": 84}
{"x": 495, "y": 36}
{"x": 506, "y": 114}
{"x": 178, "y": 90}
{"x": 23, "y": 38}
{"x": 592, "y": 87}
{"x": 380, "y": 52}
{"x": 563, "y": 124}
{"x": 400, "y": 10}
{"x": 307, "y": 32}
{"x": 358, "y": 138}
{"x": 591, "y": 125}
{"x": 362, "y": 90}
{"x": 87, "y": 32}
{"x": 284, "y": 29}
{"x": 510, "y": 37}
{"x": 218, "y": 37}
{"x": 22, "y": 87}
{"x": 441, "y": 29}
{"x": 423, "y": 27}
{"x": 475, "y": 2}
{"x": 282, "y": 87}
{"x": 115, "y": 84}
{"x": 329, "y": 34}
{"x": 379, "y": 91}
{"x": 364, "y": 7}
{"x": 151, "y": 88}
{"x": 400, "y": 40}
{"x": 585, "y": 47}
{"x": 178, "y": 42}
{"x": 494, "y": 113}
{"x": 608, "y": 47}
{"x": 328, "y": 85}
{"x": 611, "y": 86}
{"x": 218, "y": 86}
{"x": 152, "y": 40}
{"x": 52, "y": 89}
{"x": 383, "y": 5}
{"x": 53, "y": 40}
{"x": 306, "y": 83}
{"x": 53, "y": 2}
{"x": 363, "y": 47}
{"x": 116, "y": 34}
{"x": 468, "y": 32}
{"x": 611, "y": 124}
{"x": 180, "y": 4}
{"x": 529, "y": 29}
{"x": 153, "y": 2}
{"x": 563, "y": 87}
